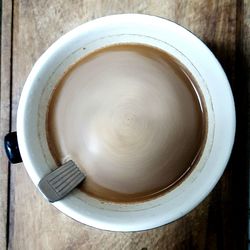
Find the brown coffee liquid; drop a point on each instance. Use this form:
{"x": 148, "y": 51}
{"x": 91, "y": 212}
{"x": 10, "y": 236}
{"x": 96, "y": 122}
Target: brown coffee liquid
{"x": 131, "y": 118}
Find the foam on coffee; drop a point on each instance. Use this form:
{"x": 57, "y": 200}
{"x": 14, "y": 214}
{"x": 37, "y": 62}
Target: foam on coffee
{"x": 131, "y": 118}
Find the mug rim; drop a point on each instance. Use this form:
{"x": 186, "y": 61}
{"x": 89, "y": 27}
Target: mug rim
{"x": 23, "y": 118}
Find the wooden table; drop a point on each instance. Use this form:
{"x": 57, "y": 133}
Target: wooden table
{"x": 27, "y": 221}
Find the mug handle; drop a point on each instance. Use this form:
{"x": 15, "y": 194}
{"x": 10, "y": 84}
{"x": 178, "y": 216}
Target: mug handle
{"x": 11, "y": 147}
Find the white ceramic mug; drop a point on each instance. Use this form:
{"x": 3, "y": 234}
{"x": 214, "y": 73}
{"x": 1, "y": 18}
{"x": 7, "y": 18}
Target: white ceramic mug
{"x": 119, "y": 29}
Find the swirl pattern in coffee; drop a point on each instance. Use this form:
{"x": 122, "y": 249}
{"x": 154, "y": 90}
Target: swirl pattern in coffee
{"x": 132, "y": 119}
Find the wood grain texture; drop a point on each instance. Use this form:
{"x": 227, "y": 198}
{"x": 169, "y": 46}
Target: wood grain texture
{"x": 240, "y": 156}
{"x": 35, "y": 224}
{"x": 242, "y": 97}
{"x": 4, "y": 115}
{"x": 245, "y": 44}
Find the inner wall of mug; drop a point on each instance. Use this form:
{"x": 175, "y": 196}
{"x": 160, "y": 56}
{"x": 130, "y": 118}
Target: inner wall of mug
{"x": 73, "y": 56}
{"x": 154, "y": 183}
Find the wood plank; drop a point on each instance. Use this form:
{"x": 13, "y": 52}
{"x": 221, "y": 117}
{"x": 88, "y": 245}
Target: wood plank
{"x": 5, "y": 114}
{"x": 35, "y": 224}
{"x": 245, "y": 45}
{"x": 242, "y": 95}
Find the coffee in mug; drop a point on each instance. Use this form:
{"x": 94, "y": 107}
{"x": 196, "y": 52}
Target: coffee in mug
{"x": 132, "y": 118}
